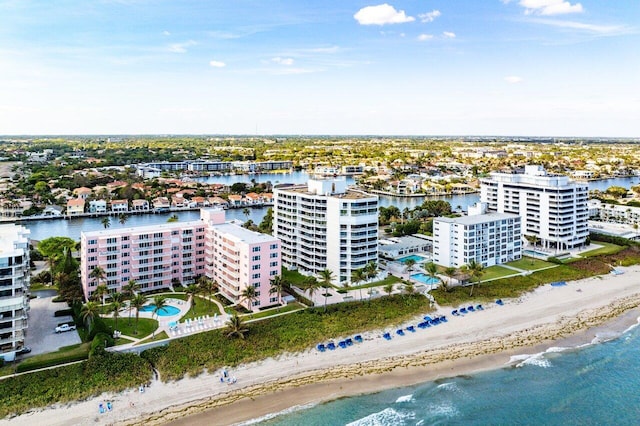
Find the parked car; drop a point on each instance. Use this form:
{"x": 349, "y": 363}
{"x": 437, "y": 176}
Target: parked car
{"x": 23, "y": 350}
{"x": 65, "y": 327}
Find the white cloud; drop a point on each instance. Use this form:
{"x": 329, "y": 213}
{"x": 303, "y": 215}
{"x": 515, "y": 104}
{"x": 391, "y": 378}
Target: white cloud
{"x": 605, "y": 30}
{"x": 424, "y": 37}
{"x": 448, "y": 34}
{"x": 282, "y": 61}
{"x": 429, "y": 16}
{"x": 217, "y": 64}
{"x": 166, "y": 33}
{"x": 181, "y": 47}
{"x": 550, "y": 7}
{"x": 513, "y": 79}
{"x": 381, "y": 15}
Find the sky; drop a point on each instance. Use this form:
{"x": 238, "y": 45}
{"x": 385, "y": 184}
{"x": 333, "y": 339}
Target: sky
{"x": 343, "y": 67}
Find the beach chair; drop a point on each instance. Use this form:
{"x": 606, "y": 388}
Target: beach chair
{"x": 387, "y": 336}
{"x": 470, "y": 309}
{"x": 463, "y": 310}
{"x": 427, "y": 318}
{"x": 109, "y": 407}
{"x": 455, "y": 312}
{"x": 400, "y": 332}
{"x": 348, "y": 341}
{"x": 411, "y": 329}
{"x": 499, "y": 302}
{"x": 321, "y": 347}
{"x": 479, "y": 308}
{"x": 101, "y": 408}
{"x": 331, "y": 346}
{"x": 422, "y": 325}
{"x": 357, "y": 338}
{"x": 443, "y": 319}
{"x": 342, "y": 344}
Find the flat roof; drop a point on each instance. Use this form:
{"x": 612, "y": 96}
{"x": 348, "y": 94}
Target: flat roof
{"x": 242, "y": 234}
{"x": 348, "y": 194}
{"x": 477, "y": 218}
{"x": 406, "y": 241}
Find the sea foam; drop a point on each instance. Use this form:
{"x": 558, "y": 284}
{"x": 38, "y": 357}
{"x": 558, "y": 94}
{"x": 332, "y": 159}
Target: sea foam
{"x": 279, "y": 413}
{"x": 386, "y": 417}
{"x": 405, "y": 398}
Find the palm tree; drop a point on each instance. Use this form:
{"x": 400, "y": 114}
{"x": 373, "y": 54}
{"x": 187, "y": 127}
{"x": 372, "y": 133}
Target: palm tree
{"x": 129, "y": 290}
{"x": 409, "y": 264}
{"x": 277, "y": 284}
{"x": 388, "y": 288}
{"x": 89, "y": 312}
{"x": 122, "y": 218}
{"x": 236, "y": 327}
{"x": 246, "y": 212}
{"x": 116, "y": 305}
{"x": 192, "y": 290}
{"x": 449, "y": 272}
{"x": 97, "y": 274}
{"x": 311, "y": 284}
{"x": 477, "y": 270}
{"x": 137, "y": 302}
{"x": 207, "y": 286}
{"x": 432, "y": 270}
{"x": 371, "y": 270}
{"x": 249, "y": 295}
{"x": 358, "y": 276}
{"x": 326, "y": 276}
{"x": 106, "y": 222}
{"x": 101, "y": 292}
{"x": 159, "y": 303}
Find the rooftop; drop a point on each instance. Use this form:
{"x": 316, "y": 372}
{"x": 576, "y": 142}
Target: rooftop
{"x": 350, "y": 194}
{"x": 478, "y": 218}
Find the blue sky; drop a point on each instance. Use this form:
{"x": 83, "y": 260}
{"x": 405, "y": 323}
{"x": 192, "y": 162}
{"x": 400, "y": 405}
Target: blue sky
{"x": 406, "y": 67}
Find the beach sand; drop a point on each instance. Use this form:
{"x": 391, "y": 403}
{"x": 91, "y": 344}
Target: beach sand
{"x": 549, "y": 316}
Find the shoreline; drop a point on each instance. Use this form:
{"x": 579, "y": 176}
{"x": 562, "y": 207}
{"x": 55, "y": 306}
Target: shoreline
{"x": 546, "y": 317}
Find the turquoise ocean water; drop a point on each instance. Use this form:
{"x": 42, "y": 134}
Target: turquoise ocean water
{"x": 595, "y": 384}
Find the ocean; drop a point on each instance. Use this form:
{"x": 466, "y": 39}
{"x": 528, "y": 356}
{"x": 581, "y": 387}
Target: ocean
{"x": 594, "y": 384}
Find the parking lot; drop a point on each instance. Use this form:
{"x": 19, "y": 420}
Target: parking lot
{"x": 41, "y": 337}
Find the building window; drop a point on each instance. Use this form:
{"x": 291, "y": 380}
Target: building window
{"x": 255, "y": 249}
{"x": 255, "y": 258}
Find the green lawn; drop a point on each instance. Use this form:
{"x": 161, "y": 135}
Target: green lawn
{"x": 122, "y": 341}
{"x": 496, "y": 271}
{"x": 145, "y": 326}
{"x": 293, "y": 277}
{"x": 61, "y": 356}
{"x": 274, "y": 311}
{"x": 391, "y": 279}
{"x": 607, "y": 248}
{"x": 530, "y": 264}
{"x": 202, "y": 307}
{"x": 160, "y": 336}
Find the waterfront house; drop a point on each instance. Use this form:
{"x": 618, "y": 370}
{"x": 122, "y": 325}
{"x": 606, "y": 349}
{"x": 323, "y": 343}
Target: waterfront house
{"x": 218, "y": 202}
{"x": 97, "y": 206}
{"x": 235, "y": 200}
{"x": 161, "y": 204}
{"x": 140, "y": 206}
{"x": 75, "y": 206}
{"x": 119, "y": 206}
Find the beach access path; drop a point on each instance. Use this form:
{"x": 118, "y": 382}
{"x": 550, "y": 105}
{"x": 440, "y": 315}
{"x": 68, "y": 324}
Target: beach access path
{"x": 539, "y": 317}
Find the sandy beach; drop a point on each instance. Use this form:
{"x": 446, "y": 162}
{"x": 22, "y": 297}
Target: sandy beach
{"x": 549, "y": 316}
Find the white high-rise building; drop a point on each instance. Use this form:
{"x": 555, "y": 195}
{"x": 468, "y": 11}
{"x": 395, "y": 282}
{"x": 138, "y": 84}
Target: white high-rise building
{"x": 14, "y": 288}
{"x": 324, "y": 225}
{"x": 553, "y": 208}
{"x": 487, "y": 238}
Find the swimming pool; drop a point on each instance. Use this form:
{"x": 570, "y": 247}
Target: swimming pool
{"x": 535, "y": 253}
{"x": 413, "y": 257}
{"x": 167, "y": 311}
{"x": 424, "y": 278}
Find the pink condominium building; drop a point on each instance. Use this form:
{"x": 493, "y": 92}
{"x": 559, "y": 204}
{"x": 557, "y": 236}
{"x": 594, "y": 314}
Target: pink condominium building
{"x": 157, "y": 256}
